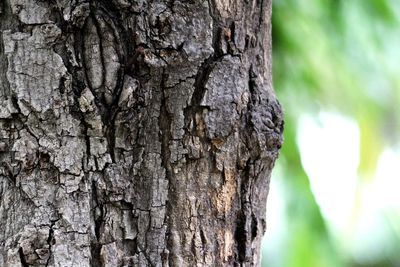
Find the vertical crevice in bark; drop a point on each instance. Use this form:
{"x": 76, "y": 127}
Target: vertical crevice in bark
{"x": 22, "y": 258}
{"x": 97, "y": 211}
{"x": 242, "y": 230}
{"x": 87, "y": 138}
{"x": 165, "y": 126}
{"x": 50, "y": 242}
{"x": 216, "y": 36}
{"x": 261, "y": 16}
{"x": 240, "y": 237}
{"x": 254, "y": 226}
{"x": 200, "y": 81}
{"x": 165, "y": 137}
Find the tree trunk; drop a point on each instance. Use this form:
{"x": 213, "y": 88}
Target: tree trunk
{"x": 135, "y": 133}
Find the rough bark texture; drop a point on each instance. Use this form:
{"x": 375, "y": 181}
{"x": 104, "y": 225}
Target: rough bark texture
{"x": 135, "y": 133}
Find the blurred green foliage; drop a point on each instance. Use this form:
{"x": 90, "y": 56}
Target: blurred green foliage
{"x": 341, "y": 56}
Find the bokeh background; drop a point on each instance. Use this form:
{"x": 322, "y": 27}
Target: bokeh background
{"x": 335, "y": 191}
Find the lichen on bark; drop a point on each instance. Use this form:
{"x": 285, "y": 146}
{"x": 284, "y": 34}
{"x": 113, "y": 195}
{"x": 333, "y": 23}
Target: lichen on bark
{"x": 135, "y": 133}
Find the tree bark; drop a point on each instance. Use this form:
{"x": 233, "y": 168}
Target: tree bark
{"x": 135, "y": 133}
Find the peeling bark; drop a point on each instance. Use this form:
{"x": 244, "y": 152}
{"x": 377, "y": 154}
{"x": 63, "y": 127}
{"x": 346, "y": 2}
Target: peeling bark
{"x": 135, "y": 133}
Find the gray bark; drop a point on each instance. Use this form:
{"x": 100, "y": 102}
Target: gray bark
{"x": 135, "y": 133}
